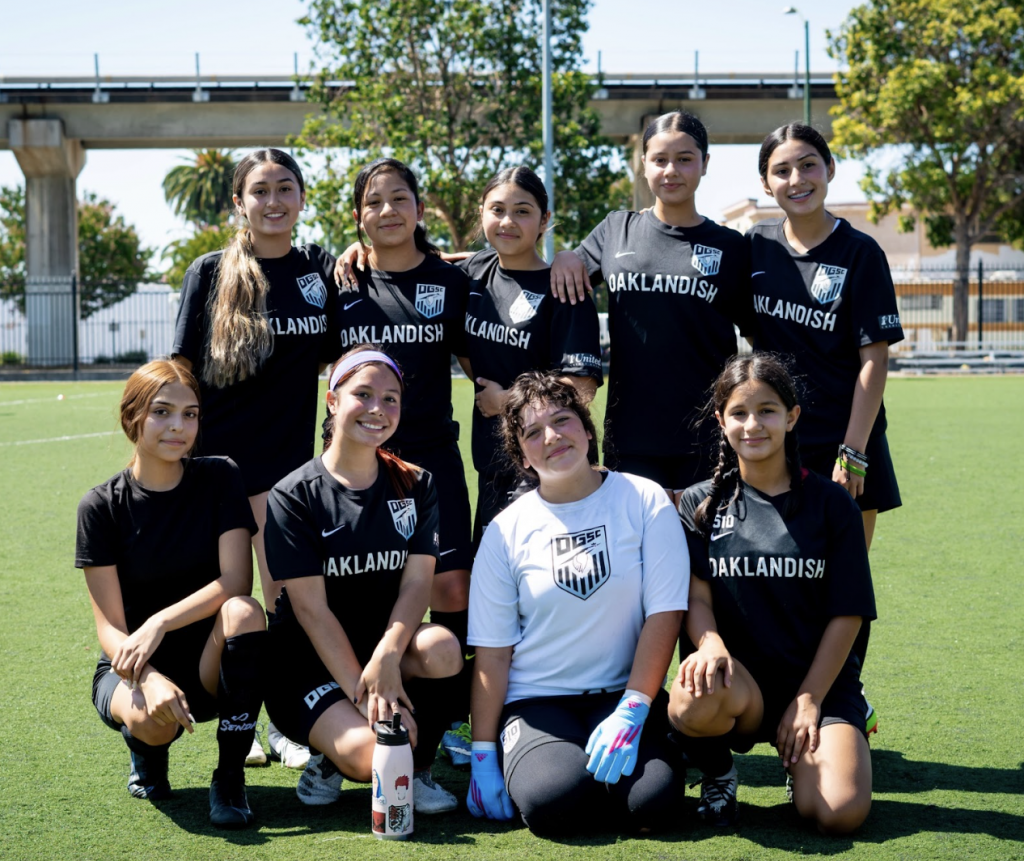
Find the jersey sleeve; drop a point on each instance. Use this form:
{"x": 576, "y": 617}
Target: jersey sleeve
{"x": 292, "y": 540}
{"x": 476, "y": 263}
{"x": 741, "y": 304}
{"x": 591, "y": 250}
{"x": 331, "y": 348}
{"x": 455, "y": 334}
{"x": 696, "y": 544}
{"x": 424, "y": 539}
{"x": 96, "y": 541}
{"x": 576, "y": 339}
{"x": 875, "y": 314}
{"x": 190, "y": 325}
{"x": 850, "y": 589}
{"x": 234, "y": 511}
{"x": 493, "y": 594}
{"x": 666, "y": 567}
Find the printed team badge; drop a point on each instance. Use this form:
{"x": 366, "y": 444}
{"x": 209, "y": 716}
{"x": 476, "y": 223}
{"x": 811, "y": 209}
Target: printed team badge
{"x": 313, "y": 289}
{"x": 828, "y": 283}
{"x": 580, "y": 561}
{"x": 403, "y": 513}
{"x": 706, "y": 260}
{"x": 430, "y": 299}
{"x": 510, "y": 737}
{"x": 525, "y": 307}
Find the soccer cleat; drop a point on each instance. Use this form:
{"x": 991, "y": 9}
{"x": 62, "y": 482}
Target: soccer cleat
{"x": 428, "y": 797}
{"x": 229, "y": 808}
{"x": 717, "y": 804}
{"x": 871, "y": 723}
{"x": 457, "y": 744}
{"x": 256, "y": 755}
{"x": 290, "y": 754}
{"x": 149, "y": 776}
{"x": 320, "y": 783}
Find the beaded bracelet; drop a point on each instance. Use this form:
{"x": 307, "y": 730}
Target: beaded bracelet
{"x": 849, "y": 467}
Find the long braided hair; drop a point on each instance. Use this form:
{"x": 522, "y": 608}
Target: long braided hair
{"x": 725, "y": 484}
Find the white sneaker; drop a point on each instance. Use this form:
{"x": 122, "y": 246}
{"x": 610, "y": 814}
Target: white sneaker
{"x": 320, "y": 783}
{"x": 290, "y": 754}
{"x": 428, "y": 797}
{"x": 256, "y": 755}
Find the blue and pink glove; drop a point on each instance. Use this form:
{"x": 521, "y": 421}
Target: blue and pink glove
{"x": 615, "y": 743}
{"x": 487, "y": 796}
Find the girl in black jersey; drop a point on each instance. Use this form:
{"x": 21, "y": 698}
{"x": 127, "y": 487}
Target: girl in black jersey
{"x": 413, "y": 304}
{"x": 677, "y": 284}
{"x": 257, "y": 324}
{"x": 353, "y": 537}
{"x": 164, "y": 546}
{"x": 823, "y": 294}
{"x": 781, "y": 589}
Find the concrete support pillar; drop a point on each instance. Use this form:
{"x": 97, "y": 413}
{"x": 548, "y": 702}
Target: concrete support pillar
{"x": 642, "y": 196}
{"x": 51, "y": 164}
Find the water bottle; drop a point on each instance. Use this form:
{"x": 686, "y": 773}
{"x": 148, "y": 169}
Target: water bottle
{"x": 391, "y": 802}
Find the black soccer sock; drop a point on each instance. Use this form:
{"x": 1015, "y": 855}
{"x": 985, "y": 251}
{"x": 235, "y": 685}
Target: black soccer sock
{"x": 153, "y": 755}
{"x": 457, "y": 700}
{"x": 239, "y": 697}
{"x": 432, "y": 698}
{"x": 711, "y": 756}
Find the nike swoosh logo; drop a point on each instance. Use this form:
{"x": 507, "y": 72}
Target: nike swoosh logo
{"x": 325, "y": 533}
{"x": 446, "y": 552}
{"x": 350, "y": 304}
{"x": 619, "y": 254}
{"x": 755, "y": 274}
{"x": 720, "y": 535}
{"x": 471, "y": 293}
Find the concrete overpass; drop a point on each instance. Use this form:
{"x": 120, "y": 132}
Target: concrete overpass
{"x": 50, "y": 124}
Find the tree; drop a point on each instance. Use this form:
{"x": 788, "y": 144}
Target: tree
{"x": 111, "y": 258}
{"x": 181, "y": 252}
{"x": 937, "y": 88}
{"x": 200, "y": 189}
{"x": 453, "y": 89}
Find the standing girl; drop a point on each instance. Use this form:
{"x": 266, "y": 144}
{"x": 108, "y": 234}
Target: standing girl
{"x": 578, "y": 593}
{"x": 257, "y": 323}
{"x": 780, "y": 591}
{"x": 352, "y": 535}
{"x": 677, "y": 284}
{"x": 823, "y": 294}
{"x": 164, "y": 545}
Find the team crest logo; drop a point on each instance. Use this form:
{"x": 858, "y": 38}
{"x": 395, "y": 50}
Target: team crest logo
{"x": 403, "y": 513}
{"x": 706, "y": 260}
{"x": 525, "y": 307}
{"x": 429, "y": 299}
{"x": 580, "y": 561}
{"x": 828, "y": 283}
{"x": 313, "y": 290}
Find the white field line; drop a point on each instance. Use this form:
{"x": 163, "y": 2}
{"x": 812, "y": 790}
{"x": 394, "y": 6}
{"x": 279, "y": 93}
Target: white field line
{"x": 51, "y": 400}
{"x": 60, "y": 438}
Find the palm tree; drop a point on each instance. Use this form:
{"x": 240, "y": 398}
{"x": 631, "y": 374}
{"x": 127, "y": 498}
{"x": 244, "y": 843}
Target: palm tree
{"x": 200, "y": 190}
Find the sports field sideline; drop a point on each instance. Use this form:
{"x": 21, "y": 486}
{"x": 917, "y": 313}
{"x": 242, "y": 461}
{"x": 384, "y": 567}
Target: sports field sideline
{"x": 945, "y": 670}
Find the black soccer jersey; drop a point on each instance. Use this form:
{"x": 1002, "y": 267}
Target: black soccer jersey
{"x": 821, "y": 308}
{"x": 357, "y": 540}
{"x": 674, "y": 294}
{"x": 416, "y": 317}
{"x": 514, "y": 325}
{"x": 164, "y": 543}
{"x": 776, "y": 583}
{"x": 266, "y": 423}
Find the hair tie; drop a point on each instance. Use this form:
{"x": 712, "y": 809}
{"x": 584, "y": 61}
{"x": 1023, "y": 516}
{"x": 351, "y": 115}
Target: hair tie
{"x": 361, "y": 358}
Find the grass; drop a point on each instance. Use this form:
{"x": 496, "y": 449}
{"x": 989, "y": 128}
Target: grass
{"x": 944, "y": 670}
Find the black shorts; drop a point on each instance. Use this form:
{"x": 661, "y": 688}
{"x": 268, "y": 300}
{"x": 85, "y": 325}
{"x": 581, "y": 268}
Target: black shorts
{"x": 881, "y": 491}
{"x": 536, "y": 721}
{"x": 202, "y": 705}
{"x": 454, "y": 527}
{"x": 675, "y": 473}
{"x": 495, "y": 492}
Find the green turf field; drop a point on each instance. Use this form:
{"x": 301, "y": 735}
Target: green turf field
{"x": 945, "y": 671}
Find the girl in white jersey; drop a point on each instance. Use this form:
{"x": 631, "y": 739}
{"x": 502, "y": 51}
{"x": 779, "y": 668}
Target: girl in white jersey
{"x": 781, "y": 588}
{"x": 577, "y": 595}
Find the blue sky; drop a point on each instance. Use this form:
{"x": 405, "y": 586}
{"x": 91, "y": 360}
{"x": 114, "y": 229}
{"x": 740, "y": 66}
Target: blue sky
{"x": 260, "y": 37}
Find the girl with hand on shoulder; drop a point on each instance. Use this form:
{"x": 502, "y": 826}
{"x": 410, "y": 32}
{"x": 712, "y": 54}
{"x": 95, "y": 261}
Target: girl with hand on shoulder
{"x": 781, "y": 589}
{"x": 577, "y": 596}
{"x": 164, "y": 545}
{"x": 677, "y": 283}
{"x": 352, "y": 536}
{"x": 823, "y": 294}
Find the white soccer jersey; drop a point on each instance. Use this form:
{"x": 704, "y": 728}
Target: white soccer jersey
{"x": 570, "y": 585}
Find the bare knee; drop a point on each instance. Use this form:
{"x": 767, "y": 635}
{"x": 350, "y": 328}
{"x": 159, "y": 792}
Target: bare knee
{"x": 834, "y": 819}
{"x": 150, "y": 732}
{"x": 242, "y": 615}
{"x": 437, "y": 652}
{"x": 704, "y": 715}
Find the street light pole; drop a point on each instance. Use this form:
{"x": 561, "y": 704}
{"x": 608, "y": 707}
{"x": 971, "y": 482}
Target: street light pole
{"x": 792, "y": 10}
{"x": 548, "y": 135}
